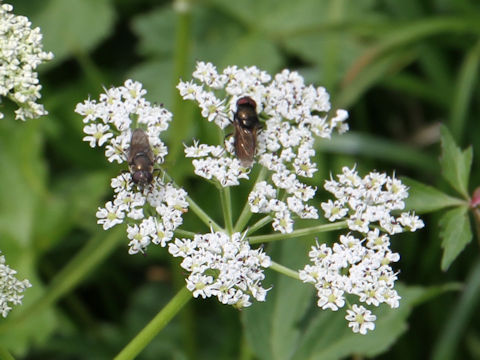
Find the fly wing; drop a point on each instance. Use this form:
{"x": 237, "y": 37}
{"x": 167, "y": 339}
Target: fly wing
{"x": 139, "y": 145}
{"x": 245, "y": 144}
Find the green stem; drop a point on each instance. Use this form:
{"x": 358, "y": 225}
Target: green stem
{"x": 284, "y": 270}
{"x": 202, "y": 215}
{"x": 5, "y": 355}
{"x": 91, "y": 255}
{"x": 147, "y": 334}
{"x": 298, "y": 233}
{"x": 184, "y": 233}
{"x": 226, "y": 207}
{"x": 246, "y": 214}
{"x": 182, "y": 110}
{"x": 259, "y": 224}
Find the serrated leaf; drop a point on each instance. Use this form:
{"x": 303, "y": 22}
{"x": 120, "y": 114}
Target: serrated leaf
{"x": 71, "y": 26}
{"x": 424, "y": 198}
{"x": 455, "y": 163}
{"x": 455, "y": 234}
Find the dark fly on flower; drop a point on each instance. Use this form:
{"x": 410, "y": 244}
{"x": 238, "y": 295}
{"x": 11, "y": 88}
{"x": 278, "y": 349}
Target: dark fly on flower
{"x": 246, "y": 124}
{"x": 140, "y": 158}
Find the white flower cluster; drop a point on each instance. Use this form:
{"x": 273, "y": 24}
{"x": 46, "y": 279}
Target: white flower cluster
{"x": 369, "y": 200}
{"x": 223, "y": 266}
{"x": 20, "y": 54}
{"x": 353, "y": 266}
{"x": 109, "y": 122}
{"x": 11, "y": 288}
{"x": 293, "y": 113}
{"x": 360, "y": 267}
{"x": 166, "y": 202}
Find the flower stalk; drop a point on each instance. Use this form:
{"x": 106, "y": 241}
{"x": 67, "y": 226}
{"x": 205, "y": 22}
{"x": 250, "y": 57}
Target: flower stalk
{"x": 146, "y": 335}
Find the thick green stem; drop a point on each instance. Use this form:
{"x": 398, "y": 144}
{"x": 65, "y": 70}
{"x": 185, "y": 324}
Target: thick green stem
{"x": 147, "y": 334}
{"x": 182, "y": 110}
{"x": 246, "y": 214}
{"x": 298, "y": 233}
{"x": 226, "y": 207}
{"x": 284, "y": 270}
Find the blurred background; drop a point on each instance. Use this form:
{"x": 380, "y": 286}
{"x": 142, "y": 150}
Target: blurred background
{"x": 399, "y": 67}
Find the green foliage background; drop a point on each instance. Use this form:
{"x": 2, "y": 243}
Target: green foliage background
{"x": 399, "y": 67}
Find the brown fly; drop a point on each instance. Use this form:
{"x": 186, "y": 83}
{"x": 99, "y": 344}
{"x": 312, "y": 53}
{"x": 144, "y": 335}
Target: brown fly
{"x": 246, "y": 124}
{"x": 140, "y": 158}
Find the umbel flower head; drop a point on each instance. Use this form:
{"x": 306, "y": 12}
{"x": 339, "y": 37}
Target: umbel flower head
{"x": 152, "y": 212}
{"x": 11, "y": 288}
{"x": 20, "y": 54}
{"x": 360, "y": 266}
{"x": 292, "y": 115}
{"x": 223, "y": 266}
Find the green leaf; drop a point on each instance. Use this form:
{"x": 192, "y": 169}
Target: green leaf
{"x": 329, "y": 337}
{"x": 455, "y": 163}
{"x": 72, "y": 27}
{"x": 455, "y": 233}
{"x": 380, "y": 149}
{"x": 252, "y": 50}
{"x": 272, "y": 328}
{"x": 424, "y": 198}
{"x": 155, "y": 30}
{"x": 459, "y": 317}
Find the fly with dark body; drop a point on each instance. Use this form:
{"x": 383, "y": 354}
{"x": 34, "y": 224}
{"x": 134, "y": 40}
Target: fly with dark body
{"x": 246, "y": 124}
{"x": 140, "y": 158}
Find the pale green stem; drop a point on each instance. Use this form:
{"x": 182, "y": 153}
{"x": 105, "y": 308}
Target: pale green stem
{"x": 184, "y": 233}
{"x": 152, "y": 329}
{"x": 298, "y": 233}
{"x": 259, "y": 224}
{"x": 202, "y": 215}
{"x": 226, "y": 207}
{"x": 284, "y": 270}
{"x": 246, "y": 214}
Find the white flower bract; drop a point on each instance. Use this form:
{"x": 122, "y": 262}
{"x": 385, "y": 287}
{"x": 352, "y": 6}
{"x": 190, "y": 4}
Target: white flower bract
{"x": 11, "y": 288}
{"x": 222, "y": 266}
{"x": 20, "y": 54}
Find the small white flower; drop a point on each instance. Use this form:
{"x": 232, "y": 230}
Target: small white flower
{"x": 288, "y": 110}
{"x": 20, "y": 54}
{"x": 222, "y": 266}
{"x": 152, "y": 212}
{"x": 11, "y": 288}
{"x": 367, "y": 201}
{"x": 360, "y": 319}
